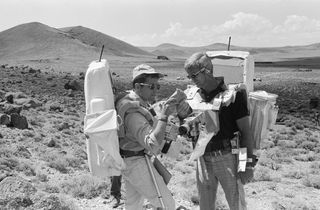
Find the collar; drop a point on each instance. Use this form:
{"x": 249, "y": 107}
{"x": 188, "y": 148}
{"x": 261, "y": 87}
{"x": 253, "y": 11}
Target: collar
{"x": 142, "y": 103}
{"x": 208, "y": 96}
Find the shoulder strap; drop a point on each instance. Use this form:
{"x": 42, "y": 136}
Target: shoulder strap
{"x": 126, "y": 106}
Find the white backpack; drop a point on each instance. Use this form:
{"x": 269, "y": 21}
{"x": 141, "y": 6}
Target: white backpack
{"x": 100, "y": 123}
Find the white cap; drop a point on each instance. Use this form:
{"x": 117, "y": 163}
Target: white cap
{"x": 144, "y": 69}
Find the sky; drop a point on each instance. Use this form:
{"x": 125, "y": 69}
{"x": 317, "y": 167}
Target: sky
{"x": 249, "y": 23}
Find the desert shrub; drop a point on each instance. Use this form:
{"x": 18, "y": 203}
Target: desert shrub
{"x": 299, "y": 140}
{"x": 315, "y": 165}
{"x": 17, "y": 203}
{"x": 287, "y": 144}
{"x": 312, "y": 181}
{"x": 5, "y": 152}
{"x": 42, "y": 177}
{"x": 84, "y": 187}
{"x": 267, "y": 144}
{"x": 53, "y": 202}
{"x": 313, "y": 139}
{"x": 27, "y": 169}
{"x": 299, "y": 126}
{"x": 51, "y": 189}
{"x": 268, "y": 162}
{"x": 262, "y": 174}
{"x": 67, "y": 132}
{"x": 28, "y": 133}
{"x": 298, "y": 151}
{"x": 317, "y": 149}
{"x": 37, "y": 138}
{"x": 288, "y": 123}
{"x": 74, "y": 162}
{"x": 289, "y": 194}
{"x": 21, "y": 151}
{"x": 57, "y": 162}
{"x": 279, "y": 155}
{"x": 315, "y": 168}
{"x": 80, "y": 153}
{"x": 298, "y": 174}
{"x": 8, "y": 163}
{"x": 306, "y": 157}
{"x": 308, "y": 145}
{"x": 293, "y": 130}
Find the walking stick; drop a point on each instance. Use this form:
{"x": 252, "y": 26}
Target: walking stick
{"x": 155, "y": 181}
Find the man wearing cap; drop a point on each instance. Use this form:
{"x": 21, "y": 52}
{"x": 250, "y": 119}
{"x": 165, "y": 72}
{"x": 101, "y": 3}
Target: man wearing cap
{"x": 139, "y": 133}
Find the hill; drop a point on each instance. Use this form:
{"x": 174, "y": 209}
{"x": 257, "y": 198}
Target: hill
{"x": 34, "y": 40}
{"x": 69, "y": 49}
{"x": 97, "y": 39}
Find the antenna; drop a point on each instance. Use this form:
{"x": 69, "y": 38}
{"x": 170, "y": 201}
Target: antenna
{"x": 229, "y": 43}
{"x": 101, "y": 53}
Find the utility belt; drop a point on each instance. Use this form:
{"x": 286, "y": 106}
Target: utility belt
{"x": 218, "y": 152}
{"x": 128, "y": 153}
{"x": 228, "y": 145}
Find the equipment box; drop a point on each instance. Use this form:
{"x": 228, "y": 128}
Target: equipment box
{"x": 234, "y": 66}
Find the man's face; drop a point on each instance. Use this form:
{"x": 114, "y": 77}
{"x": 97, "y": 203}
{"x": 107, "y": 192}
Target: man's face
{"x": 148, "y": 90}
{"x": 197, "y": 76}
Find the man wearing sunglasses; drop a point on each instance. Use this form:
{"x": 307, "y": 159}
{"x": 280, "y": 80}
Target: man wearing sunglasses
{"x": 220, "y": 164}
{"x": 140, "y": 132}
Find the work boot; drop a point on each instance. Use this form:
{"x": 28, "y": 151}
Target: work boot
{"x": 116, "y": 201}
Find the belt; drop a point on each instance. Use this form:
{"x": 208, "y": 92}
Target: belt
{"x": 128, "y": 153}
{"x": 216, "y": 153}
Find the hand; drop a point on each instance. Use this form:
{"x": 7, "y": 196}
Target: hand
{"x": 246, "y": 176}
{"x": 169, "y": 107}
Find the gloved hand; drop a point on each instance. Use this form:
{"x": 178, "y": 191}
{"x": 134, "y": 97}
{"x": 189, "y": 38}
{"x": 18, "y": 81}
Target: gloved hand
{"x": 247, "y": 175}
{"x": 169, "y": 107}
{"x": 183, "y": 109}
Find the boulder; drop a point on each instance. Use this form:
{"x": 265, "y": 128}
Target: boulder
{"x": 162, "y": 57}
{"x": 81, "y": 75}
{"x": 28, "y": 102}
{"x": 9, "y": 97}
{"x": 314, "y": 102}
{"x": 19, "y": 121}
{"x": 73, "y": 85}
{"x": 4, "y": 119}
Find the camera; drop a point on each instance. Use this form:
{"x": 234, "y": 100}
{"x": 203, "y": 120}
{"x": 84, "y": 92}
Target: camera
{"x": 190, "y": 125}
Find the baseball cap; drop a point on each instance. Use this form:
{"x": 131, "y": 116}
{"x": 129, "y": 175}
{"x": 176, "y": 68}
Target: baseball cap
{"x": 144, "y": 69}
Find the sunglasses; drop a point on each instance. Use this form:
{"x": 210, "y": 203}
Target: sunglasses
{"x": 193, "y": 76}
{"x": 151, "y": 86}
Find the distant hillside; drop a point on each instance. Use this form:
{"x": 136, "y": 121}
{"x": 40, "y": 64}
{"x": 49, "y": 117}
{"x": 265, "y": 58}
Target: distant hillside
{"x": 37, "y": 41}
{"x": 176, "y": 51}
{"x": 70, "y": 49}
{"x": 97, "y": 39}
{"x": 264, "y": 54}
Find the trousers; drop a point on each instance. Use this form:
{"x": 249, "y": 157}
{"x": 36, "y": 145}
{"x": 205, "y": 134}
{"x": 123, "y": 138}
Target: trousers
{"x": 116, "y": 186}
{"x": 139, "y": 185}
{"x": 220, "y": 169}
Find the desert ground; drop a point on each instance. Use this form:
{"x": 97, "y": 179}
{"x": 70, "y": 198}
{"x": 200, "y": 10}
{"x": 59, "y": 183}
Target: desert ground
{"x": 43, "y": 160}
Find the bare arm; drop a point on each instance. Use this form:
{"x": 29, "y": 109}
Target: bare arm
{"x": 246, "y": 138}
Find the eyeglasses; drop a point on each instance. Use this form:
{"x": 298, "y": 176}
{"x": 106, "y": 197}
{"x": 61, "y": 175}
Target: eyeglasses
{"x": 193, "y": 76}
{"x": 151, "y": 86}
